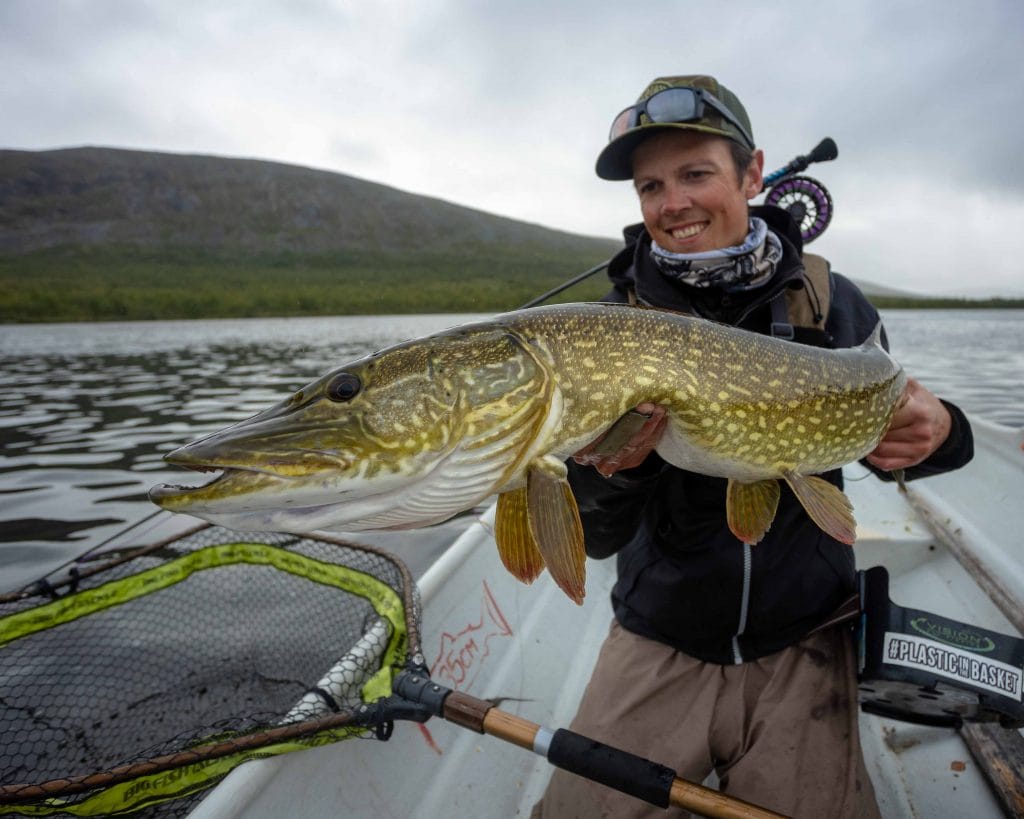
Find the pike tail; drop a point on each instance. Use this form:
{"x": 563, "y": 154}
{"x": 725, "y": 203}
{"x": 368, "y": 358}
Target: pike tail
{"x": 900, "y": 476}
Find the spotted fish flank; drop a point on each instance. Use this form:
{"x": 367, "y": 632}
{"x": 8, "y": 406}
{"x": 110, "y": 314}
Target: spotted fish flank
{"x": 421, "y": 431}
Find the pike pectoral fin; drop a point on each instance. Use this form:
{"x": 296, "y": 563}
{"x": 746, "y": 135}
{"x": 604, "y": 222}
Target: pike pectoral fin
{"x": 619, "y": 433}
{"x": 555, "y": 523}
{"x": 516, "y": 546}
{"x": 827, "y": 506}
{"x": 750, "y": 508}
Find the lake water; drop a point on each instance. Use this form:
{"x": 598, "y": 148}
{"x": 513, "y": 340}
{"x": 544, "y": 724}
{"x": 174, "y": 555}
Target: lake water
{"x": 88, "y": 410}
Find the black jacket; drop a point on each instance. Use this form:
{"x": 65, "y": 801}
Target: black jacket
{"x": 683, "y": 578}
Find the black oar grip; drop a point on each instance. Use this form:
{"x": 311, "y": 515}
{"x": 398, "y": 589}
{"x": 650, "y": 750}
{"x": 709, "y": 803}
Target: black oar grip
{"x": 617, "y": 769}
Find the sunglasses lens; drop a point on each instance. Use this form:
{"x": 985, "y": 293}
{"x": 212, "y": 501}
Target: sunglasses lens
{"x": 673, "y": 105}
{"x": 622, "y": 123}
{"x": 676, "y": 105}
{"x": 669, "y": 105}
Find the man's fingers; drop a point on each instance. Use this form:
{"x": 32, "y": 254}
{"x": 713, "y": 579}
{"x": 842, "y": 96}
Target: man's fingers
{"x": 633, "y": 452}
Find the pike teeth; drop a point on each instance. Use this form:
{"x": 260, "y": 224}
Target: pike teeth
{"x": 219, "y": 474}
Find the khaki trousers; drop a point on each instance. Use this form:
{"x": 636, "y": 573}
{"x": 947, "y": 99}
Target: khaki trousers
{"x": 780, "y": 731}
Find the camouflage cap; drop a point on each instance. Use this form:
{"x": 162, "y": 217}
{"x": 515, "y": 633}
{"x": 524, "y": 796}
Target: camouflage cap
{"x": 615, "y": 161}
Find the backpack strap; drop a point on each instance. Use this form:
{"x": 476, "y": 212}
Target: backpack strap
{"x": 804, "y": 308}
{"x": 809, "y": 306}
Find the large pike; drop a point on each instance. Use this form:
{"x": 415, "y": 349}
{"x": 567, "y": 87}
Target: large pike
{"x": 413, "y": 434}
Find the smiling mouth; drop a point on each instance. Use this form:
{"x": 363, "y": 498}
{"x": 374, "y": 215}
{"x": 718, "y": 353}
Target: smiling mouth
{"x": 688, "y": 231}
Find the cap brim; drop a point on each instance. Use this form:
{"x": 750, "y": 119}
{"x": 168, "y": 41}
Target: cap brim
{"x": 615, "y": 162}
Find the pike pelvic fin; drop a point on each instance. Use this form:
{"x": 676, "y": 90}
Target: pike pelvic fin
{"x": 555, "y": 524}
{"x": 826, "y": 505}
{"x": 516, "y": 547}
{"x": 750, "y": 508}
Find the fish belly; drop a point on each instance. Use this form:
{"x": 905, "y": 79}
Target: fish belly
{"x": 682, "y": 450}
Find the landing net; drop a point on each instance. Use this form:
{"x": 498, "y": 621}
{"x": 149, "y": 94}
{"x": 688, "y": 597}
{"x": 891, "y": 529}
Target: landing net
{"x": 139, "y": 683}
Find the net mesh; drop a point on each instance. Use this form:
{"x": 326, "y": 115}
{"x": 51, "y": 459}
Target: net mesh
{"x": 149, "y": 677}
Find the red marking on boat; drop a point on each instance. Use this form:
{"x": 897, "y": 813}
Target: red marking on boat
{"x": 463, "y": 652}
{"x": 430, "y": 740}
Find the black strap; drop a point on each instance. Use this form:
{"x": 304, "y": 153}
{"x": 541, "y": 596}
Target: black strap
{"x": 781, "y": 327}
{"x": 383, "y": 725}
{"x": 847, "y": 611}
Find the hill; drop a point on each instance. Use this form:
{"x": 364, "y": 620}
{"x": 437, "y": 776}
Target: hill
{"x": 103, "y": 233}
{"x": 872, "y": 290}
{"x": 99, "y": 233}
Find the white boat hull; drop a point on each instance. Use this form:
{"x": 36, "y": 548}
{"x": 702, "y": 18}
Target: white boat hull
{"x": 488, "y": 635}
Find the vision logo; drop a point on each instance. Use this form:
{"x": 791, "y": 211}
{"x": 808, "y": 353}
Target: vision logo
{"x": 960, "y": 637}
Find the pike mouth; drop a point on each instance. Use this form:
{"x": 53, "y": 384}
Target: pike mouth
{"x": 240, "y": 472}
{"x": 165, "y": 491}
{"x": 251, "y": 499}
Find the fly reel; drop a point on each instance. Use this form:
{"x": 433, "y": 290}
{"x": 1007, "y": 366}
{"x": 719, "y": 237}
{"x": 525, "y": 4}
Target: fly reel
{"x": 807, "y": 201}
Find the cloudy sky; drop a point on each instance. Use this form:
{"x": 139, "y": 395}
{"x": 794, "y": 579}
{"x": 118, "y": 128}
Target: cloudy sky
{"x": 503, "y": 106}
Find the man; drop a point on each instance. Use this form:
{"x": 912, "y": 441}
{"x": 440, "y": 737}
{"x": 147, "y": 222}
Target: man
{"x": 713, "y": 662}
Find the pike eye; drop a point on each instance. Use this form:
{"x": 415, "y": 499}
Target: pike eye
{"x": 344, "y": 387}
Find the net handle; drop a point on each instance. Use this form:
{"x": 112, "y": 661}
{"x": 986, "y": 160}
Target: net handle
{"x": 12, "y": 794}
{"x": 615, "y": 768}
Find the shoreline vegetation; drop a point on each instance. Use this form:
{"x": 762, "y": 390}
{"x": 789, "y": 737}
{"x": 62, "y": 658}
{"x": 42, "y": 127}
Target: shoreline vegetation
{"x": 103, "y": 234}
{"x": 130, "y": 286}
{"x": 126, "y": 284}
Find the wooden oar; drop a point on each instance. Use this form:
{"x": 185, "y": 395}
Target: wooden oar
{"x": 578, "y": 754}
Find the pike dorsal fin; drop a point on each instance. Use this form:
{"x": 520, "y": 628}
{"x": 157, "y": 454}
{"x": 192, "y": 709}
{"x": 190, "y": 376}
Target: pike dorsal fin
{"x": 516, "y": 547}
{"x": 750, "y": 508}
{"x": 826, "y": 505}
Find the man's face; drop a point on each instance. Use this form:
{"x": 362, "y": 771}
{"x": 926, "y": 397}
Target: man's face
{"x": 690, "y": 197}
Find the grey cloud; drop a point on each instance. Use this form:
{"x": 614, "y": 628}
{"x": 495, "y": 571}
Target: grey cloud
{"x": 505, "y": 106}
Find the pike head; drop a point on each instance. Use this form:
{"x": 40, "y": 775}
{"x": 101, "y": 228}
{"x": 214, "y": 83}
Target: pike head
{"x": 405, "y": 437}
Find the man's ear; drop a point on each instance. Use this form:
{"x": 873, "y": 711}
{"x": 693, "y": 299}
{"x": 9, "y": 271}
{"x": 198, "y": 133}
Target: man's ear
{"x": 753, "y": 177}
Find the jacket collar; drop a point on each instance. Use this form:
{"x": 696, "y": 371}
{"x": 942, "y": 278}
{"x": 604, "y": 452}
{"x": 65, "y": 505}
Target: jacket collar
{"x": 632, "y": 269}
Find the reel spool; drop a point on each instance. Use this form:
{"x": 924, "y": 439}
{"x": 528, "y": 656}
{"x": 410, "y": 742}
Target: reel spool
{"x": 807, "y": 201}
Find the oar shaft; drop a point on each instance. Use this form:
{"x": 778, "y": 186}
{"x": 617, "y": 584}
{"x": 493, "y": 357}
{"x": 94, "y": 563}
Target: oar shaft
{"x": 709, "y": 802}
{"x": 601, "y": 763}
{"x": 511, "y": 728}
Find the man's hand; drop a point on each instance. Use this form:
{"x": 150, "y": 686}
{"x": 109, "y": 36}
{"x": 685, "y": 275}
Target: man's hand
{"x": 919, "y": 426}
{"x": 634, "y": 451}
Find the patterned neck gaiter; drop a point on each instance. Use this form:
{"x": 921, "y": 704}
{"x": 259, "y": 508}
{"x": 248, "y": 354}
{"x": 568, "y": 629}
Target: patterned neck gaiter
{"x": 740, "y": 267}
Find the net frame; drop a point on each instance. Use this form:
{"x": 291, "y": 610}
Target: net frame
{"x": 335, "y": 705}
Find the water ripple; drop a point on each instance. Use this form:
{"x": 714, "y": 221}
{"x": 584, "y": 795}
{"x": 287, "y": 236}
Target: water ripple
{"x": 87, "y": 411}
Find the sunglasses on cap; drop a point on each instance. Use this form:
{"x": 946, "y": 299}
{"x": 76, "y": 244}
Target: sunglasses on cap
{"x": 671, "y": 105}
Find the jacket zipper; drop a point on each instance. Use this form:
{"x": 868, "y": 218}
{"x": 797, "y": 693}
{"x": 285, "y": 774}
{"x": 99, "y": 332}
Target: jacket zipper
{"x": 748, "y": 557}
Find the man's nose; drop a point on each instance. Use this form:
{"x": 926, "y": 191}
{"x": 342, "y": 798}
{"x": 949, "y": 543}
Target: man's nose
{"x": 677, "y": 198}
